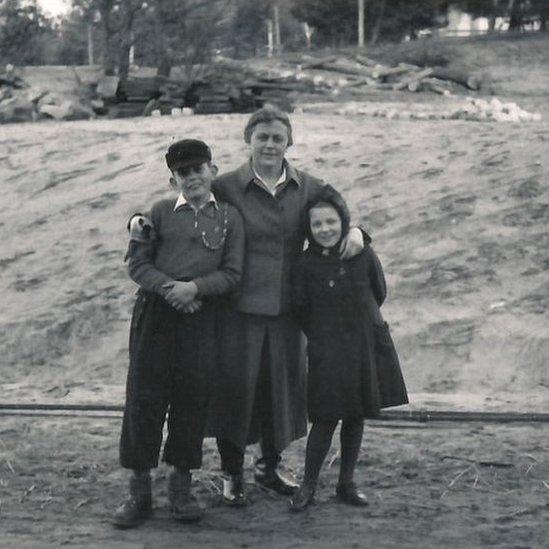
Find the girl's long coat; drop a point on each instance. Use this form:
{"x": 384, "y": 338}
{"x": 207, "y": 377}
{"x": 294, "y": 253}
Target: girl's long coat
{"x": 353, "y": 365}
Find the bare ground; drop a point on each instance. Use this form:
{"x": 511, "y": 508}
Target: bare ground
{"x": 430, "y": 486}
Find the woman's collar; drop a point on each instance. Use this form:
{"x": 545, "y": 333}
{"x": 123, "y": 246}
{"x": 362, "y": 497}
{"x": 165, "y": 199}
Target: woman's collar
{"x": 246, "y": 173}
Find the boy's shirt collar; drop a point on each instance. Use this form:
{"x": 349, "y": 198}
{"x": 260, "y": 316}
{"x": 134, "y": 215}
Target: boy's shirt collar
{"x": 182, "y": 201}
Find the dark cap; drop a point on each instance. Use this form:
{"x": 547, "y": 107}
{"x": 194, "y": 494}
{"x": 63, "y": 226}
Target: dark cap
{"x": 186, "y": 153}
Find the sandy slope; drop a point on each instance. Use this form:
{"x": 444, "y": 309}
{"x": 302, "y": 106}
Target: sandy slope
{"x": 458, "y": 212}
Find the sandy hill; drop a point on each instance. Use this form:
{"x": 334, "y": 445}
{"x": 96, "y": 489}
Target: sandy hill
{"x": 458, "y": 212}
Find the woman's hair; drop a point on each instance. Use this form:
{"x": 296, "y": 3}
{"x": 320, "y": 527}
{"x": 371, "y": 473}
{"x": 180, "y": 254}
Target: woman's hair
{"x": 268, "y": 113}
{"x": 328, "y": 197}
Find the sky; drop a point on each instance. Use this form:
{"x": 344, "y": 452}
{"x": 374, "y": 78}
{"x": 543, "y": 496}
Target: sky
{"x": 54, "y": 7}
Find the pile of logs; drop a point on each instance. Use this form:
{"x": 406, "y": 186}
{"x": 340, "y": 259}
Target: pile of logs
{"x": 232, "y": 86}
{"x": 217, "y": 92}
{"x": 358, "y": 71}
{"x": 138, "y": 96}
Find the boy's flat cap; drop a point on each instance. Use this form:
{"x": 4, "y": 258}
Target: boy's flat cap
{"x": 187, "y": 152}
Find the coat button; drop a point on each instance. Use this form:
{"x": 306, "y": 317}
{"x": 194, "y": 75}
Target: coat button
{"x": 331, "y": 283}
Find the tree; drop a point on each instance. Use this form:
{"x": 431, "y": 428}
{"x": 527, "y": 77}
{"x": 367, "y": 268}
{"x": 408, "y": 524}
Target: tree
{"x": 334, "y": 21}
{"x": 73, "y": 39}
{"x": 392, "y": 19}
{"x": 129, "y": 11}
{"x": 246, "y": 31}
{"x": 180, "y": 32}
{"x": 24, "y": 30}
{"x": 518, "y": 11}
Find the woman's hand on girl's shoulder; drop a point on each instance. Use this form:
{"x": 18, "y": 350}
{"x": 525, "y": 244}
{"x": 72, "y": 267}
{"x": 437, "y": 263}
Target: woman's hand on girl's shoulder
{"x": 352, "y": 244}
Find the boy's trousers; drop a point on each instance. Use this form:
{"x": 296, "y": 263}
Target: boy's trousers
{"x": 172, "y": 356}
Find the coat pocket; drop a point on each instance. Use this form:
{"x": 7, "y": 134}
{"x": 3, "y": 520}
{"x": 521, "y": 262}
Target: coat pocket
{"x": 391, "y": 385}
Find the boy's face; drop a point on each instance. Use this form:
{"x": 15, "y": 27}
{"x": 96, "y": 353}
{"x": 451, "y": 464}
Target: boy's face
{"x": 325, "y": 225}
{"x": 194, "y": 182}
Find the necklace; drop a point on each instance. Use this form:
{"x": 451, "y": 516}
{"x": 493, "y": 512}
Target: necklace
{"x": 207, "y": 244}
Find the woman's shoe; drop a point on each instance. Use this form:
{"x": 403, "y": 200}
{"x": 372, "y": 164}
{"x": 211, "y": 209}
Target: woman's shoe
{"x": 234, "y": 493}
{"x": 348, "y": 493}
{"x": 270, "y": 478}
{"x": 302, "y": 498}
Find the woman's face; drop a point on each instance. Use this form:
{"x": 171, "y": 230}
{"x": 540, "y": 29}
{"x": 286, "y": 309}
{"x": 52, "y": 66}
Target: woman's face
{"x": 269, "y": 142}
{"x": 325, "y": 225}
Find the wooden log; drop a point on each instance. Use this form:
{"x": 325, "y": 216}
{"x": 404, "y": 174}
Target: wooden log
{"x": 213, "y": 97}
{"x": 213, "y": 107}
{"x": 460, "y": 76}
{"x": 318, "y": 62}
{"x": 126, "y": 110}
{"x": 435, "y": 85}
{"x": 414, "y": 77}
{"x": 410, "y": 67}
{"x": 361, "y": 82}
{"x": 347, "y": 68}
{"x": 414, "y": 85}
{"x": 383, "y": 86}
{"x": 382, "y": 72}
{"x": 366, "y": 61}
{"x": 286, "y": 86}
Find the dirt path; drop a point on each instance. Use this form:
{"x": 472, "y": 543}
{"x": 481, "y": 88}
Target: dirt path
{"x": 433, "y": 486}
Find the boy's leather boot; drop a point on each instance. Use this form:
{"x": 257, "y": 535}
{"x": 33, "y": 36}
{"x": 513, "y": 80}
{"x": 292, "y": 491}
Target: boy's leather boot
{"x": 183, "y": 505}
{"x": 138, "y": 505}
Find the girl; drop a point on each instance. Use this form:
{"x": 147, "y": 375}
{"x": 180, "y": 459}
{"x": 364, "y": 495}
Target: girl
{"x": 353, "y": 366}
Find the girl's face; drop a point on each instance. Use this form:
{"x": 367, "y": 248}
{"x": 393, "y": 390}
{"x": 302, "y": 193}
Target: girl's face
{"x": 325, "y": 225}
{"x": 268, "y": 143}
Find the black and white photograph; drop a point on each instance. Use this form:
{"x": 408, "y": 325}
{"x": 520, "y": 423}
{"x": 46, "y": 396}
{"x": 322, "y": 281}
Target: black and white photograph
{"x": 274, "y": 274}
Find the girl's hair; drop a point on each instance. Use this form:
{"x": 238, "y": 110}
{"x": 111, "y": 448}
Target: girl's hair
{"x": 268, "y": 113}
{"x": 328, "y": 197}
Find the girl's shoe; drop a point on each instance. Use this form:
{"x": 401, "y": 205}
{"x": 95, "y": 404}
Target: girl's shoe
{"x": 348, "y": 493}
{"x": 302, "y": 498}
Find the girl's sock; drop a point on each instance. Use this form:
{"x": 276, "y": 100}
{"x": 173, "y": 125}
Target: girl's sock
{"x": 318, "y": 444}
{"x": 351, "y": 440}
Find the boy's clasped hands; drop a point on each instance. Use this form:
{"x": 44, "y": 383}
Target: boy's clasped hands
{"x": 182, "y": 296}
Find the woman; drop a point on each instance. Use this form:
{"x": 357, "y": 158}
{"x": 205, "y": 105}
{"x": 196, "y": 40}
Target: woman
{"x": 261, "y": 384}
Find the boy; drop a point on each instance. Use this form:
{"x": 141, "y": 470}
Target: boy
{"x": 193, "y": 255}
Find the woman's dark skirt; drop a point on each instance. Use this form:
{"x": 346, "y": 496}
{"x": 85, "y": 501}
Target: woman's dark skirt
{"x": 172, "y": 357}
{"x": 251, "y": 344}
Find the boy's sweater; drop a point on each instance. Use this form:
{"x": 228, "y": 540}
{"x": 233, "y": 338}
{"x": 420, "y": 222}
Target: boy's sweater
{"x": 179, "y": 251}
